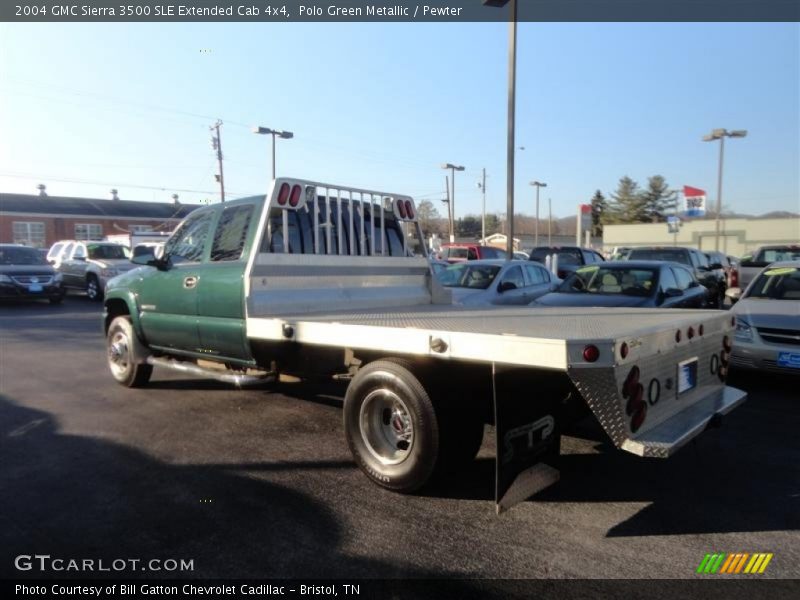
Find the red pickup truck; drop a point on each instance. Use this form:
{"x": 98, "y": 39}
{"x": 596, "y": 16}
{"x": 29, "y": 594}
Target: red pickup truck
{"x": 455, "y": 253}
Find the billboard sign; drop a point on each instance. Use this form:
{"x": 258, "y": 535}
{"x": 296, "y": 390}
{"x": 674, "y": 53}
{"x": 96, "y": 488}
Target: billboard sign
{"x": 694, "y": 201}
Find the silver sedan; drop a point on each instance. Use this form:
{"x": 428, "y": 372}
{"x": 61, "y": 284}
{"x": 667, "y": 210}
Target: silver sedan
{"x": 768, "y": 321}
{"x": 497, "y": 282}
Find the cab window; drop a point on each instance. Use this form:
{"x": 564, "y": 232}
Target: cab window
{"x": 187, "y": 244}
{"x": 231, "y": 233}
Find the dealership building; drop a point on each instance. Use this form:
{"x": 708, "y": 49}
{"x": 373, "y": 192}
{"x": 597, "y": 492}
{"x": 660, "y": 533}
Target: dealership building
{"x": 41, "y": 220}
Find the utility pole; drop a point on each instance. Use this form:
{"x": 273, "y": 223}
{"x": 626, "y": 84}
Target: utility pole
{"x": 538, "y": 185}
{"x": 216, "y": 144}
{"x": 550, "y": 222}
{"x": 450, "y": 223}
{"x": 482, "y": 185}
{"x": 721, "y": 134}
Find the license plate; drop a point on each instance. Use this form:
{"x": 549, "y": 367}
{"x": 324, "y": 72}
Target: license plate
{"x": 789, "y": 359}
{"x": 35, "y": 287}
{"x": 687, "y": 375}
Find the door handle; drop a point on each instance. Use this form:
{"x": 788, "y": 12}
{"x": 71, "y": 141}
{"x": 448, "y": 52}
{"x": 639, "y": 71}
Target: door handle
{"x": 190, "y": 282}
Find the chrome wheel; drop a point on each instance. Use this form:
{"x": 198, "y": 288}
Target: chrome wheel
{"x": 119, "y": 359}
{"x": 93, "y": 288}
{"x": 386, "y": 426}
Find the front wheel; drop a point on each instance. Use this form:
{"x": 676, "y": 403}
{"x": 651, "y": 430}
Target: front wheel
{"x": 391, "y": 426}
{"x": 93, "y": 290}
{"x": 122, "y": 359}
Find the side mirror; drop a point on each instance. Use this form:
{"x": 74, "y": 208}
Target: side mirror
{"x": 80, "y": 258}
{"x": 673, "y": 293}
{"x": 694, "y": 284}
{"x": 150, "y": 260}
{"x": 505, "y": 286}
{"x": 714, "y": 266}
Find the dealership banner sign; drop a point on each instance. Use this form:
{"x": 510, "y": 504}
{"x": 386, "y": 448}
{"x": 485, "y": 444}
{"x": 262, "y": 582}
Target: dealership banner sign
{"x": 694, "y": 201}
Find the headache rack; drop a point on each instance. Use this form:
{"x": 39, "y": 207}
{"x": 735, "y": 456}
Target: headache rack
{"x": 306, "y": 217}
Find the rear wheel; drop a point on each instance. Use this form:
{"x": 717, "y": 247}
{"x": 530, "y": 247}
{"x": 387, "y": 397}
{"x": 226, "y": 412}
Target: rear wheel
{"x": 122, "y": 359}
{"x": 93, "y": 290}
{"x": 391, "y": 426}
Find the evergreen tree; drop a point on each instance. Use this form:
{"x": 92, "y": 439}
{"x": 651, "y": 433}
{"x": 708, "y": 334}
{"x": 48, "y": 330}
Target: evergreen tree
{"x": 627, "y": 204}
{"x": 659, "y": 200}
{"x": 599, "y": 209}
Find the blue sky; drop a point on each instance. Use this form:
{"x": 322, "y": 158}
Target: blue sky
{"x": 383, "y": 105}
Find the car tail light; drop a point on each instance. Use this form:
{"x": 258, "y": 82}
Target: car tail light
{"x": 636, "y": 407}
{"x": 631, "y": 381}
{"x": 623, "y": 350}
{"x": 638, "y": 417}
{"x": 734, "y": 278}
{"x": 591, "y": 353}
{"x": 690, "y": 332}
{"x": 283, "y": 194}
{"x": 409, "y": 209}
{"x": 294, "y": 199}
{"x": 700, "y": 330}
{"x": 401, "y": 209}
{"x": 562, "y": 274}
{"x": 678, "y": 335}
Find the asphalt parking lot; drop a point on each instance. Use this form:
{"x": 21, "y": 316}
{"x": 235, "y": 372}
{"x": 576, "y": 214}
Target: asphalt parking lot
{"x": 259, "y": 483}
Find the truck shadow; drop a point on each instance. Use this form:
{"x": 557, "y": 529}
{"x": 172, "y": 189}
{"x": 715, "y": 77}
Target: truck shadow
{"x": 80, "y": 497}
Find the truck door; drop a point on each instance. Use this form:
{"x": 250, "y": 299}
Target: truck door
{"x": 168, "y": 297}
{"x": 220, "y": 288}
{"x": 75, "y": 267}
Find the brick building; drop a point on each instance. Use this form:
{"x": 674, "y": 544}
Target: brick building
{"x": 40, "y": 220}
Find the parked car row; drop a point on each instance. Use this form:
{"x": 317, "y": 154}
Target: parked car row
{"x": 25, "y": 274}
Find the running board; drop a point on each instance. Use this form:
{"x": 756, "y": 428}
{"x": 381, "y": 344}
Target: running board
{"x": 237, "y": 379}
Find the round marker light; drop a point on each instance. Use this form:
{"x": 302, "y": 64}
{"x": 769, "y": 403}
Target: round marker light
{"x": 690, "y": 332}
{"x": 409, "y": 209}
{"x": 623, "y": 350}
{"x": 591, "y": 353}
{"x": 283, "y": 194}
{"x": 678, "y": 335}
{"x": 401, "y": 208}
{"x": 294, "y": 199}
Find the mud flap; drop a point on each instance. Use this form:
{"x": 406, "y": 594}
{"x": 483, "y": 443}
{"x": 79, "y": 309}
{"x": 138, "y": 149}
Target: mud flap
{"x": 528, "y": 435}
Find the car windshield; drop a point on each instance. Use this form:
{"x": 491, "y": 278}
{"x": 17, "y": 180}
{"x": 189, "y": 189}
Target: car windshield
{"x": 12, "y": 255}
{"x": 633, "y": 281}
{"x": 779, "y": 283}
{"x": 107, "y": 251}
{"x": 566, "y": 256}
{"x": 667, "y": 254}
{"x": 464, "y": 275}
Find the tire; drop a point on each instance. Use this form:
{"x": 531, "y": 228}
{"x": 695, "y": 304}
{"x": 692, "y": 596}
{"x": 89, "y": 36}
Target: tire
{"x": 93, "y": 289}
{"x": 120, "y": 353}
{"x": 391, "y": 426}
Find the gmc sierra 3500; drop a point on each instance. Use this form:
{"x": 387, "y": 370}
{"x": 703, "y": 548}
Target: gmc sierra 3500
{"x": 316, "y": 279}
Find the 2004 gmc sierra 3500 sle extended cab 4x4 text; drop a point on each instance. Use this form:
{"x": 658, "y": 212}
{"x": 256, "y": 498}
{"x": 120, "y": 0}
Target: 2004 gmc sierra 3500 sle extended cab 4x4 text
{"x": 320, "y": 280}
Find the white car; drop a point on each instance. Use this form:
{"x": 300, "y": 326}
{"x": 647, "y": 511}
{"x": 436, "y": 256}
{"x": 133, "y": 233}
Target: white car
{"x": 768, "y": 321}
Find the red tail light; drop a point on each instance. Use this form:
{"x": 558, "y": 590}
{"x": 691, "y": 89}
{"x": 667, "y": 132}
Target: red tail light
{"x": 690, "y": 332}
{"x": 734, "y": 278}
{"x": 700, "y": 330}
{"x": 678, "y": 335}
{"x": 409, "y": 209}
{"x": 283, "y": 195}
{"x": 623, "y": 350}
{"x": 591, "y": 353}
{"x": 294, "y": 199}
{"x": 562, "y": 274}
{"x": 401, "y": 208}
{"x": 638, "y": 417}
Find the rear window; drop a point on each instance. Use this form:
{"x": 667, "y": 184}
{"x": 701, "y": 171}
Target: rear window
{"x": 770, "y": 255}
{"x": 667, "y": 254}
{"x": 107, "y": 252}
{"x": 566, "y": 256}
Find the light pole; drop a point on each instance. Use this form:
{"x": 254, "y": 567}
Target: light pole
{"x": 512, "y": 97}
{"x": 721, "y": 134}
{"x": 453, "y": 168}
{"x": 538, "y": 185}
{"x": 286, "y": 135}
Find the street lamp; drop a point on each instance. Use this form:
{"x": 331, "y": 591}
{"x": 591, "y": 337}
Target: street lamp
{"x": 512, "y": 95}
{"x": 286, "y": 135}
{"x": 721, "y": 134}
{"x": 453, "y": 168}
{"x": 538, "y": 185}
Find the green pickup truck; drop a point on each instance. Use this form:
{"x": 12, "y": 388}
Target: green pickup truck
{"x": 318, "y": 280}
